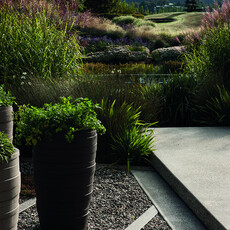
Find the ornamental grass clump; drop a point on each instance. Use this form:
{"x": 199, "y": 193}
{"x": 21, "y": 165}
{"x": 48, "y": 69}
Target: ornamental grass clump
{"x": 214, "y": 18}
{"x": 61, "y": 11}
{"x": 65, "y": 118}
{"x": 35, "y": 46}
{"x": 6, "y": 148}
{"x": 125, "y": 20}
{"x": 219, "y": 15}
{"x": 211, "y": 60}
{"x": 97, "y": 26}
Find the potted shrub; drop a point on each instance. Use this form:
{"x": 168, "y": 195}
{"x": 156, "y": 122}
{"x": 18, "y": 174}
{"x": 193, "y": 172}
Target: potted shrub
{"x": 10, "y": 181}
{"x": 65, "y": 139}
{"x": 6, "y": 112}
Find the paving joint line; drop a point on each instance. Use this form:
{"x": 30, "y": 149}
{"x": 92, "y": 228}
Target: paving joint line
{"x": 27, "y": 204}
{"x": 141, "y": 221}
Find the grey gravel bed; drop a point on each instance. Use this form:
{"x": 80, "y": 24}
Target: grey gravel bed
{"x": 117, "y": 201}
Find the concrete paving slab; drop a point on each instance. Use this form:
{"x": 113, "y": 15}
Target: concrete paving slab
{"x": 27, "y": 204}
{"x": 170, "y": 206}
{"x": 143, "y": 219}
{"x": 195, "y": 161}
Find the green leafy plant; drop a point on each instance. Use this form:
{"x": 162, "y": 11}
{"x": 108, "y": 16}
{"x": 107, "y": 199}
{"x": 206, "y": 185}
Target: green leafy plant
{"x": 66, "y": 118}
{"x": 6, "y": 148}
{"x": 6, "y": 98}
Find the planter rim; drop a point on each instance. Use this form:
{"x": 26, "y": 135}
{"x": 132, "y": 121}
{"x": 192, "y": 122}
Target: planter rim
{"x": 2, "y": 106}
{"x": 6, "y": 107}
{"x": 61, "y": 136}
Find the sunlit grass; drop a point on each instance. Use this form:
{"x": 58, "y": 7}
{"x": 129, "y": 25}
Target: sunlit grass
{"x": 183, "y": 23}
{"x": 164, "y": 15}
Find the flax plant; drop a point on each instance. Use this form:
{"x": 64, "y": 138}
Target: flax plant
{"x": 127, "y": 139}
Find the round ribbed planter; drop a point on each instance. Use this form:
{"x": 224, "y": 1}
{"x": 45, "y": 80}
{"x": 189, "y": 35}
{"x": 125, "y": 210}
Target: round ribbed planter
{"x": 63, "y": 176}
{"x": 6, "y": 121}
{"x": 10, "y": 184}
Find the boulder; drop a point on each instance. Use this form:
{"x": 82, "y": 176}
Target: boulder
{"x": 168, "y": 54}
{"x": 120, "y": 54}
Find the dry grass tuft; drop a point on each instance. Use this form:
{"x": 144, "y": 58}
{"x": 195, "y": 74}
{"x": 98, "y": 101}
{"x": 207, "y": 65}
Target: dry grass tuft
{"x": 99, "y": 26}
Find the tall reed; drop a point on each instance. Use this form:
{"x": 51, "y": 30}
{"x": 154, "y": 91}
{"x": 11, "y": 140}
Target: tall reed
{"x": 33, "y": 46}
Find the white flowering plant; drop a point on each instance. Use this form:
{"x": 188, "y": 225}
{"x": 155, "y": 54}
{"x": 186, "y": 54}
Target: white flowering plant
{"x": 24, "y": 79}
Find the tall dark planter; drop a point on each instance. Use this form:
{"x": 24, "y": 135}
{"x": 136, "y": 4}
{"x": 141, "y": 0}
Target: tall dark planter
{"x": 6, "y": 121}
{"x": 63, "y": 175}
{"x": 10, "y": 181}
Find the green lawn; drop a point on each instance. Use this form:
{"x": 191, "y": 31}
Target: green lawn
{"x": 180, "y": 22}
{"x": 164, "y": 15}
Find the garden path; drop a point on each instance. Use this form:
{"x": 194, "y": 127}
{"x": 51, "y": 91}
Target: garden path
{"x": 195, "y": 163}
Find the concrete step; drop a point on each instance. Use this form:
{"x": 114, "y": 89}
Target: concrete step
{"x": 167, "y": 202}
{"x": 195, "y": 162}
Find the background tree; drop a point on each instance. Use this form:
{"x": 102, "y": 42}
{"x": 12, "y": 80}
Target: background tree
{"x": 179, "y": 3}
{"x": 125, "y": 8}
{"x": 102, "y": 6}
{"x": 191, "y": 5}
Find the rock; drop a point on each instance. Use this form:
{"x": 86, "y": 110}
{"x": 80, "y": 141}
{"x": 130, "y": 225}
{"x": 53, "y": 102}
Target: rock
{"x": 168, "y": 54}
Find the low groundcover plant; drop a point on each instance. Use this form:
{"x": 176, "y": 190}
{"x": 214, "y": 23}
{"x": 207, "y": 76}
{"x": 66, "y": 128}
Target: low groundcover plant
{"x": 67, "y": 117}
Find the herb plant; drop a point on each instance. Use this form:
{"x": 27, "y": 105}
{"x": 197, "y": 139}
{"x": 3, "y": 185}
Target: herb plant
{"x": 6, "y": 98}
{"x": 66, "y": 118}
{"x": 6, "y": 148}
